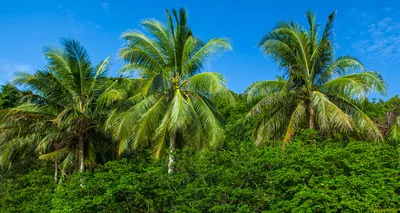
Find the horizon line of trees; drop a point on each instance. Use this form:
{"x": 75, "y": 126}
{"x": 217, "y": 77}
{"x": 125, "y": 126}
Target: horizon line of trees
{"x": 75, "y": 116}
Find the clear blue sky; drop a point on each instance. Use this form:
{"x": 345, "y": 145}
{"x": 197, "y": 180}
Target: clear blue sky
{"x": 366, "y": 29}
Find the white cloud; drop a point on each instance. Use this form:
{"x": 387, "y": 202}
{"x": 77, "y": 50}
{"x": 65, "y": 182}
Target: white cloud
{"x": 94, "y": 24}
{"x": 381, "y": 40}
{"x": 105, "y": 5}
{"x": 76, "y": 24}
{"x": 363, "y": 17}
{"x": 8, "y": 70}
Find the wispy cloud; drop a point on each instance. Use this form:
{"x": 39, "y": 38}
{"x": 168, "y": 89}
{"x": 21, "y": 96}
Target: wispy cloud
{"x": 75, "y": 24}
{"x": 94, "y": 24}
{"x": 380, "y": 40}
{"x": 105, "y": 5}
{"x": 8, "y": 70}
{"x": 363, "y": 17}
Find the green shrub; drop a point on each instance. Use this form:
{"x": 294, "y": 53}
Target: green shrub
{"x": 32, "y": 192}
{"x": 357, "y": 177}
{"x": 305, "y": 177}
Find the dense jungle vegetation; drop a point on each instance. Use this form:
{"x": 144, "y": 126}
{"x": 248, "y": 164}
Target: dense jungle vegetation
{"x": 176, "y": 139}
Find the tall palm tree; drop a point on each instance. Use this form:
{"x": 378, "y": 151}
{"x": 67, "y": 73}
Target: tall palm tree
{"x": 317, "y": 91}
{"x": 69, "y": 112}
{"x": 173, "y": 106}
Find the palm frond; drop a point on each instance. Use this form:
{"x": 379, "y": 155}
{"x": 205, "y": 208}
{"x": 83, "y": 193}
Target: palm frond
{"x": 355, "y": 86}
{"x": 211, "y": 49}
{"x": 149, "y": 122}
{"x": 264, "y": 88}
{"x": 296, "y": 119}
{"x": 393, "y": 134}
{"x": 330, "y": 118}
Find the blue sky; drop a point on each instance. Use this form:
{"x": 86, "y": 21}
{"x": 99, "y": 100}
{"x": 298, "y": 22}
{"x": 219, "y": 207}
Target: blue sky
{"x": 366, "y": 29}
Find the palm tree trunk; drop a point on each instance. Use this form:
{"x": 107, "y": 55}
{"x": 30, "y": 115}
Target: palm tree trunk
{"x": 171, "y": 159}
{"x": 81, "y": 152}
{"x": 312, "y": 118}
{"x": 55, "y": 170}
{"x": 117, "y": 155}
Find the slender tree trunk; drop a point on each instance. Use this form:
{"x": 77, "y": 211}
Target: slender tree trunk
{"x": 171, "y": 159}
{"x": 55, "y": 170}
{"x": 81, "y": 153}
{"x": 117, "y": 155}
{"x": 312, "y": 118}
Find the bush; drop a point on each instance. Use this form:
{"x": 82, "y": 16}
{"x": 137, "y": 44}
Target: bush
{"x": 28, "y": 193}
{"x": 357, "y": 177}
{"x": 305, "y": 177}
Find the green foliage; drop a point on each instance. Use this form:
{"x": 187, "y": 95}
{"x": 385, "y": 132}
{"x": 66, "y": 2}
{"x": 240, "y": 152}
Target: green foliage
{"x": 237, "y": 126}
{"x": 387, "y": 116}
{"x": 31, "y": 192}
{"x": 379, "y": 110}
{"x": 173, "y": 108}
{"x": 74, "y": 115}
{"x": 10, "y": 96}
{"x": 66, "y": 122}
{"x": 320, "y": 177}
{"x": 317, "y": 90}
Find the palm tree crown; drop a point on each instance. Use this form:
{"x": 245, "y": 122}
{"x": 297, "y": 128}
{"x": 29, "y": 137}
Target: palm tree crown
{"x": 317, "y": 91}
{"x": 69, "y": 109}
{"x": 173, "y": 106}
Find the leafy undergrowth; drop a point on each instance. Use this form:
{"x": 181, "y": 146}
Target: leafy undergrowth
{"x": 323, "y": 177}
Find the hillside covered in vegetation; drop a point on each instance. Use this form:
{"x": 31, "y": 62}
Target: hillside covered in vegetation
{"x": 176, "y": 139}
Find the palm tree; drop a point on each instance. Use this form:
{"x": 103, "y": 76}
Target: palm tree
{"x": 317, "y": 91}
{"x": 173, "y": 106}
{"x": 393, "y": 134}
{"x": 68, "y": 113}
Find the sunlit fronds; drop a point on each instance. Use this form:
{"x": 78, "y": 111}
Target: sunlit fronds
{"x": 210, "y": 125}
{"x": 279, "y": 49}
{"x": 312, "y": 77}
{"x": 126, "y": 121}
{"x": 205, "y": 83}
{"x": 58, "y": 154}
{"x": 161, "y": 34}
{"x": 101, "y": 69}
{"x": 265, "y": 103}
{"x": 211, "y": 49}
{"x": 148, "y": 123}
{"x": 180, "y": 112}
{"x": 174, "y": 97}
{"x": 364, "y": 126}
{"x": 298, "y": 41}
{"x": 110, "y": 96}
{"x": 393, "y": 134}
{"x": 138, "y": 39}
{"x": 271, "y": 125}
{"x": 296, "y": 119}
{"x": 264, "y": 88}
{"x": 57, "y": 59}
{"x": 155, "y": 84}
{"x": 160, "y": 139}
{"x": 141, "y": 59}
{"x": 73, "y": 100}
{"x": 355, "y": 86}
{"x": 341, "y": 66}
{"x": 330, "y": 118}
